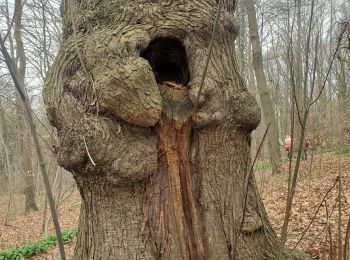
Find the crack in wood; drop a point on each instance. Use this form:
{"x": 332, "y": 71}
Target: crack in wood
{"x": 178, "y": 215}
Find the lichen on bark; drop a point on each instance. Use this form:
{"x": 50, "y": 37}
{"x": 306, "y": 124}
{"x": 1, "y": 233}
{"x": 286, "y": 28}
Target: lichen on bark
{"x": 168, "y": 180}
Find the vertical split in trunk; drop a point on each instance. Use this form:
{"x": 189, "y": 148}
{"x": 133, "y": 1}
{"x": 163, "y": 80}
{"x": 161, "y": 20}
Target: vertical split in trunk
{"x": 175, "y": 220}
{"x": 178, "y": 215}
{"x": 174, "y": 137}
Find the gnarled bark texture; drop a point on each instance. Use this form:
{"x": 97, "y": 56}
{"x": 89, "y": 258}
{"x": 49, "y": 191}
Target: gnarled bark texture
{"x": 168, "y": 180}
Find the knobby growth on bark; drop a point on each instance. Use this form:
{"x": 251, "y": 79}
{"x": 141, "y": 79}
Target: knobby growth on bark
{"x": 159, "y": 179}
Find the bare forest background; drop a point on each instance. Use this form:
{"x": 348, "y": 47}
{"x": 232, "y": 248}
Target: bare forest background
{"x": 294, "y": 57}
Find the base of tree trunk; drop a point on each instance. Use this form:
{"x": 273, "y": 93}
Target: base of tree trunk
{"x": 30, "y": 204}
{"x": 183, "y": 211}
{"x": 112, "y": 226}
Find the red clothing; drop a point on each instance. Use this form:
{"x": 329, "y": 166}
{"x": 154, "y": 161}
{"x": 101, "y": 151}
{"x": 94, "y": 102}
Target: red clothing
{"x": 287, "y": 143}
{"x": 306, "y": 145}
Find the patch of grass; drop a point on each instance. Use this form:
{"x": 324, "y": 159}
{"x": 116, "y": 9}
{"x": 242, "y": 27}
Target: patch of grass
{"x": 30, "y": 250}
{"x": 261, "y": 166}
{"x": 344, "y": 151}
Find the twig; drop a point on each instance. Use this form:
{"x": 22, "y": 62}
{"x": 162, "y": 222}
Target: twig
{"x": 246, "y": 183}
{"x": 87, "y": 150}
{"x": 11, "y": 23}
{"x": 80, "y": 57}
{"x": 315, "y": 239}
{"x": 328, "y": 216}
{"x": 209, "y": 55}
{"x": 292, "y": 122}
{"x": 74, "y": 28}
{"x": 346, "y": 243}
{"x": 329, "y": 229}
{"x": 331, "y": 65}
{"x": 20, "y": 88}
{"x": 298, "y": 109}
{"x": 318, "y": 208}
{"x": 293, "y": 184}
{"x": 340, "y": 249}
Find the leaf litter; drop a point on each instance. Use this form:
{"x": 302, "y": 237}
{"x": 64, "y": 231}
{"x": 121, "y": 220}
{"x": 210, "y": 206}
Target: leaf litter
{"x": 317, "y": 175}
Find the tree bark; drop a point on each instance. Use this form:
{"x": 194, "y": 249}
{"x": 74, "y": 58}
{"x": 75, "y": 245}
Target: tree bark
{"x": 298, "y": 68}
{"x": 266, "y": 102}
{"x": 159, "y": 178}
{"x": 24, "y": 134}
{"x": 343, "y": 101}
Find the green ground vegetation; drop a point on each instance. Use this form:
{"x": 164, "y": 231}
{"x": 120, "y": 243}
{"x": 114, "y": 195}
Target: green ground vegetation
{"x": 30, "y": 250}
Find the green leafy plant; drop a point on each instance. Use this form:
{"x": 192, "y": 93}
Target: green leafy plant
{"x": 30, "y": 250}
{"x": 344, "y": 151}
{"x": 262, "y": 166}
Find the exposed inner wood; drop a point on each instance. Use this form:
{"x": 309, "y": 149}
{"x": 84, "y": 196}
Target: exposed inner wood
{"x": 178, "y": 215}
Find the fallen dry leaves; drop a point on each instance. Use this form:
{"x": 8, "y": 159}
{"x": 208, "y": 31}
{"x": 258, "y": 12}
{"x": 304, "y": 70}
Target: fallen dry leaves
{"x": 316, "y": 177}
{"x": 24, "y": 229}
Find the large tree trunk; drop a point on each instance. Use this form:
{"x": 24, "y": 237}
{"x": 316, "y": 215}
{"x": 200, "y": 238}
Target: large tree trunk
{"x": 23, "y": 129}
{"x": 159, "y": 177}
{"x": 266, "y": 102}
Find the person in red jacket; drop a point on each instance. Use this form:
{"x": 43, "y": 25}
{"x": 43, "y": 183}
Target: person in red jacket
{"x": 288, "y": 145}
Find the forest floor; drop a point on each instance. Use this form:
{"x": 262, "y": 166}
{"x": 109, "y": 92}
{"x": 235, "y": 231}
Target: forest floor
{"x": 317, "y": 176}
{"x": 315, "y": 211}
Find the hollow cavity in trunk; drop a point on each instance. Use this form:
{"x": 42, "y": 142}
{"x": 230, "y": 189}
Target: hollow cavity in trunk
{"x": 171, "y": 210}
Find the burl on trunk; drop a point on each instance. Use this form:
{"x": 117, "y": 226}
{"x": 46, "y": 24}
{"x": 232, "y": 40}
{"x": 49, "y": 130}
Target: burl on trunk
{"x": 158, "y": 178}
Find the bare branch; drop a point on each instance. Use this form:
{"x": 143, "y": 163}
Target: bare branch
{"x": 88, "y": 153}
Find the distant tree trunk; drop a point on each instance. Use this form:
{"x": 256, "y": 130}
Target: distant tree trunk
{"x": 24, "y": 134}
{"x": 343, "y": 101}
{"x": 5, "y": 158}
{"x": 6, "y": 165}
{"x": 298, "y": 68}
{"x": 266, "y": 102}
{"x": 159, "y": 177}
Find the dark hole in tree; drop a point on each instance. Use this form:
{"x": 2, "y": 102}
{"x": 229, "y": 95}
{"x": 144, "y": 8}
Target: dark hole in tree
{"x": 168, "y": 59}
